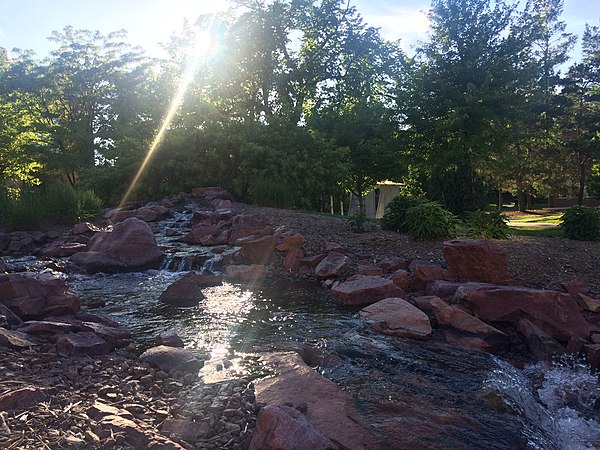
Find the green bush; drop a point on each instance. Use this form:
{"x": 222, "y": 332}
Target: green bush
{"x": 429, "y": 220}
{"x": 581, "y": 223}
{"x": 58, "y": 203}
{"x": 395, "y": 212}
{"x": 357, "y": 222}
{"x": 487, "y": 225}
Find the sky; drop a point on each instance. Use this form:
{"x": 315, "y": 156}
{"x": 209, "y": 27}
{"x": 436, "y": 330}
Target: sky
{"x": 26, "y": 24}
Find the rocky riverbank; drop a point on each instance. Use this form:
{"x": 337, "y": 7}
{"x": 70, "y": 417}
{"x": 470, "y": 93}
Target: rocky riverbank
{"x": 68, "y": 380}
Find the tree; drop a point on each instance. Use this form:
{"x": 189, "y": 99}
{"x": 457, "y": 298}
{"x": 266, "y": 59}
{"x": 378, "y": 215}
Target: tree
{"x": 72, "y": 95}
{"x": 459, "y": 95}
{"x": 581, "y": 124}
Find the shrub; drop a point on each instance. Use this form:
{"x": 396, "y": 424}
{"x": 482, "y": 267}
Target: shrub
{"x": 581, "y": 223}
{"x": 395, "y": 212}
{"x": 357, "y": 222}
{"x": 58, "y": 204}
{"x": 488, "y": 225}
{"x": 429, "y": 220}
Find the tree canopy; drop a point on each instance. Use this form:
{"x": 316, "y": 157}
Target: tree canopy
{"x": 296, "y": 102}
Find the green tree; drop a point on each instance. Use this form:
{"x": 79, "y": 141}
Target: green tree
{"x": 582, "y": 122}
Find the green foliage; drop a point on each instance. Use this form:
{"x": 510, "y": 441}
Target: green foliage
{"x": 487, "y": 225}
{"x": 581, "y": 223}
{"x": 594, "y": 183}
{"x": 395, "y": 212}
{"x": 429, "y": 220}
{"x": 357, "y": 222}
{"x": 59, "y": 204}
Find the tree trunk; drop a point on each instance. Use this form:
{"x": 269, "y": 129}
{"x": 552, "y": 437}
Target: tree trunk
{"x": 582, "y": 173}
{"x": 529, "y": 201}
{"x": 361, "y": 204}
{"x": 499, "y": 199}
{"x": 551, "y": 201}
{"x": 521, "y": 200}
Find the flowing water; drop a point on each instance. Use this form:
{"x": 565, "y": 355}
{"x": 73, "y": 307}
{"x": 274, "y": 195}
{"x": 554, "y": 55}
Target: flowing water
{"x": 414, "y": 394}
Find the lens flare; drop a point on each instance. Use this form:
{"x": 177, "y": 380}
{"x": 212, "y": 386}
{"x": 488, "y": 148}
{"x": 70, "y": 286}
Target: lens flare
{"x": 202, "y": 46}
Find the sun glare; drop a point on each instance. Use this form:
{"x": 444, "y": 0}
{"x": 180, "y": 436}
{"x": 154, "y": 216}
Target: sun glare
{"x": 203, "y": 44}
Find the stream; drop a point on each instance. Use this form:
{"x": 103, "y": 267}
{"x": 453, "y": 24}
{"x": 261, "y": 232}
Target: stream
{"x": 414, "y": 394}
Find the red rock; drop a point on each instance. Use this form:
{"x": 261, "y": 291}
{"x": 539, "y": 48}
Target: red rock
{"x": 137, "y": 435}
{"x": 248, "y": 274}
{"x": 15, "y": 339}
{"x": 218, "y": 203}
{"x": 79, "y": 344}
{"x": 390, "y": 265}
{"x": 364, "y": 290}
{"x": 84, "y": 227}
{"x": 31, "y": 295}
{"x": 69, "y": 249}
{"x": 423, "y": 274}
{"x": 443, "y": 289}
{"x": 203, "y": 280}
{"x": 457, "y": 338}
{"x": 293, "y": 259}
{"x": 329, "y": 408}
{"x": 115, "y": 336}
{"x": 396, "y": 317}
{"x": 540, "y": 344}
{"x": 184, "y": 291}
{"x": 423, "y": 302}
{"x": 574, "y": 346}
{"x": 369, "y": 270}
{"x": 99, "y": 410}
{"x": 11, "y": 318}
{"x": 169, "y": 340}
{"x": 556, "y": 313}
{"x": 47, "y": 327}
{"x": 290, "y": 242}
{"x": 147, "y": 214}
{"x": 172, "y": 358}
{"x": 476, "y": 260}
{"x": 22, "y": 398}
{"x": 186, "y": 429}
{"x": 575, "y": 286}
{"x": 255, "y": 250}
{"x": 588, "y": 303}
{"x": 592, "y": 352}
{"x": 283, "y": 427}
{"x": 201, "y": 232}
{"x": 401, "y": 279}
{"x": 334, "y": 265}
{"x": 244, "y": 225}
{"x": 454, "y": 317}
{"x": 130, "y": 246}
{"x": 312, "y": 261}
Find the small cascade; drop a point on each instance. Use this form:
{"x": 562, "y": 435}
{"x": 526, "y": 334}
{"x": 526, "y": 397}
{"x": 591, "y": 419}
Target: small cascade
{"x": 559, "y": 400}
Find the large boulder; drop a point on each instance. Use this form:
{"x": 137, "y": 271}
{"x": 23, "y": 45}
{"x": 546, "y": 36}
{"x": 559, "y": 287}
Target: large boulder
{"x": 461, "y": 328}
{"x": 554, "y": 312}
{"x": 184, "y": 291}
{"x": 244, "y": 225}
{"x": 32, "y": 295}
{"x": 334, "y": 265}
{"x": 79, "y": 344}
{"x": 327, "y": 406}
{"x": 422, "y": 274}
{"x": 129, "y": 247}
{"x": 255, "y": 250}
{"x": 476, "y": 261}
{"x": 364, "y": 290}
{"x": 172, "y": 358}
{"x": 396, "y": 317}
{"x": 284, "y": 427}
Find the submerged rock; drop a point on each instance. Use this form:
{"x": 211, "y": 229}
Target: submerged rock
{"x": 172, "y": 358}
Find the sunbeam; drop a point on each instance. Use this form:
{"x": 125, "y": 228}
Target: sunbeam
{"x": 201, "y": 49}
